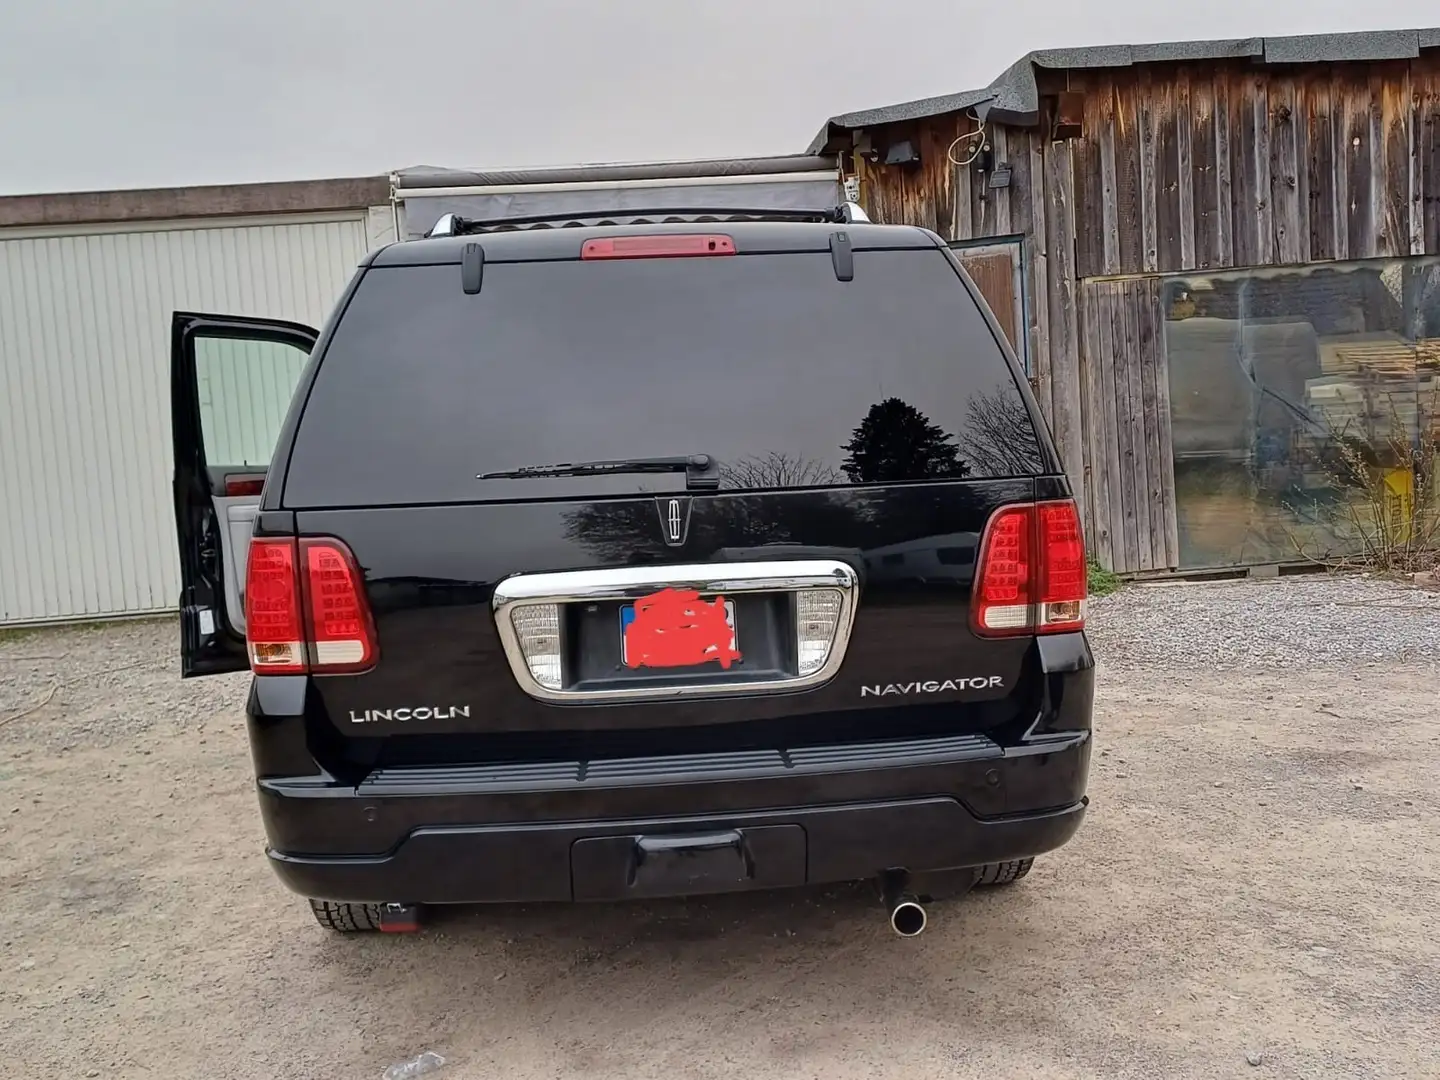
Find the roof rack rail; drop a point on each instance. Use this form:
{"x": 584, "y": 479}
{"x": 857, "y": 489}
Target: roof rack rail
{"x": 454, "y": 225}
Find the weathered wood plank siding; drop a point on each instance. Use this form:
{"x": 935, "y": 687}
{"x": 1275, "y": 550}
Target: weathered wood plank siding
{"x": 1067, "y": 419}
{"x": 1039, "y": 276}
{"x": 1325, "y": 161}
{"x": 1132, "y": 501}
{"x": 1427, "y": 168}
{"x": 1182, "y": 167}
{"x": 1207, "y": 165}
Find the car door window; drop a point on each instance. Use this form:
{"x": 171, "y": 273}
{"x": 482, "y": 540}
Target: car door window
{"x": 244, "y": 387}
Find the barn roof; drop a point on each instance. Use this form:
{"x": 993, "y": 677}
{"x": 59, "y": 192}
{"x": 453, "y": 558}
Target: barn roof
{"x": 1013, "y": 98}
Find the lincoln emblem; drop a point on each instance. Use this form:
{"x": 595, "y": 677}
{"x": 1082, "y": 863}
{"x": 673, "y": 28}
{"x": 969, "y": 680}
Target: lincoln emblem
{"x": 674, "y": 519}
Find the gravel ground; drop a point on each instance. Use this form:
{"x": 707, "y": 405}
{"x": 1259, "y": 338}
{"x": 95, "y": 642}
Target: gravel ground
{"x": 1256, "y": 882}
{"x": 1308, "y": 621}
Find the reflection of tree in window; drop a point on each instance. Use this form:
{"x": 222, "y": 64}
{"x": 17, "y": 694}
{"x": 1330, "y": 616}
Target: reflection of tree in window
{"x": 998, "y": 438}
{"x": 762, "y": 472}
{"x": 627, "y": 531}
{"x": 896, "y": 442}
{"x": 619, "y": 532}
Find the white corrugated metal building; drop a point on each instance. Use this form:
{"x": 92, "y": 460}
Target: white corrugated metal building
{"x": 88, "y": 282}
{"x": 87, "y": 285}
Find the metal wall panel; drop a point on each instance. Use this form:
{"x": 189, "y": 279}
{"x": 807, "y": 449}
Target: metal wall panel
{"x": 87, "y": 527}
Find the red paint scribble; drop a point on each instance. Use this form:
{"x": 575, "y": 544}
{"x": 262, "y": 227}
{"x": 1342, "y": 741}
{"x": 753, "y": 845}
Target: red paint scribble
{"x": 675, "y": 628}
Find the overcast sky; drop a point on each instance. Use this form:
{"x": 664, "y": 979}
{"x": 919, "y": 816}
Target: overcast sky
{"x": 129, "y": 93}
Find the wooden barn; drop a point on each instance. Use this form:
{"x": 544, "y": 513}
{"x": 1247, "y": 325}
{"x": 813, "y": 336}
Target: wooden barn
{"x": 1217, "y": 261}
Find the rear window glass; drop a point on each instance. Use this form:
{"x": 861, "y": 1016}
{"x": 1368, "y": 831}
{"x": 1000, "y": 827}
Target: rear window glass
{"x": 789, "y": 377}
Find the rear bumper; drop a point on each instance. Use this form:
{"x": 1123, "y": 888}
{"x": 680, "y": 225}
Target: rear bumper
{"x": 598, "y": 861}
{"x": 567, "y": 831}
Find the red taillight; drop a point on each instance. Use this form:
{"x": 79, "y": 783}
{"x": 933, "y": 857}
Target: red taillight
{"x": 342, "y": 635}
{"x": 1063, "y": 580}
{"x": 272, "y": 609}
{"x": 1030, "y": 577}
{"x": 656, "y": 247}
{"x": 1003, "y": 574}
{"x": 321, "y": 624}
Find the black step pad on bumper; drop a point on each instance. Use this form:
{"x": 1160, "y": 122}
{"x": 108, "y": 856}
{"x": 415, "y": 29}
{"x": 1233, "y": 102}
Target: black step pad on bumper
{"x": 642, "y": 771}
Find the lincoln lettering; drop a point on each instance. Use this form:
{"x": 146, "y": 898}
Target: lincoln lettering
{"x": 419, "y": 712}
{"x": 933, "y": 686}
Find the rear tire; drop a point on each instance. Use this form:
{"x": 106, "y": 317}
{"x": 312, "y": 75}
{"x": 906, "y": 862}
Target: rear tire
{"x": 346, "y": 918}
{"x": 1005, "y": 873}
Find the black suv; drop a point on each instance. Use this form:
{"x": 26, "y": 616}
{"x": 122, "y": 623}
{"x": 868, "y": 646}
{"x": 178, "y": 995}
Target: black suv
{"x": 637, "y": 560}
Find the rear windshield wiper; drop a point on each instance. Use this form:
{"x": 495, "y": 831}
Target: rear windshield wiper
{"x": 701, "y": 470}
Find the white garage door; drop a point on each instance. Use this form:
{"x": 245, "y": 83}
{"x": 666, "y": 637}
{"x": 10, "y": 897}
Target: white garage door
{"x": 87, "y": 527}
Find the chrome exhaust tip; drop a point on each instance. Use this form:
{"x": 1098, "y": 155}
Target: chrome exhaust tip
{"x": 907, "y": 917}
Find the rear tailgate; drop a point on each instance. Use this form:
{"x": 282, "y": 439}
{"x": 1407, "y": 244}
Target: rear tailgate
{"x": 869, "y": 428}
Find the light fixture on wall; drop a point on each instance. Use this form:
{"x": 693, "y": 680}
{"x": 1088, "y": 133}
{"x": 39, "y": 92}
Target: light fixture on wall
{"x": 1068, "y": 121}
{"x": 902, "y": 153}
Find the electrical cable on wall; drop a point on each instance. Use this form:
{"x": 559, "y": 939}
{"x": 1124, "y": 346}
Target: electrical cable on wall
{"x": 978, "y": 134}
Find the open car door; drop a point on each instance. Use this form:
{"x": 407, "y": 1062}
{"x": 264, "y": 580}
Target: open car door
{"x": 231, "y": 381}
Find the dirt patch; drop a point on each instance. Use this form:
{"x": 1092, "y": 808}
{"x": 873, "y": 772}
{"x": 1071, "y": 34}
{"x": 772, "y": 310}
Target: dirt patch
{"x": 1257, "y": 876}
